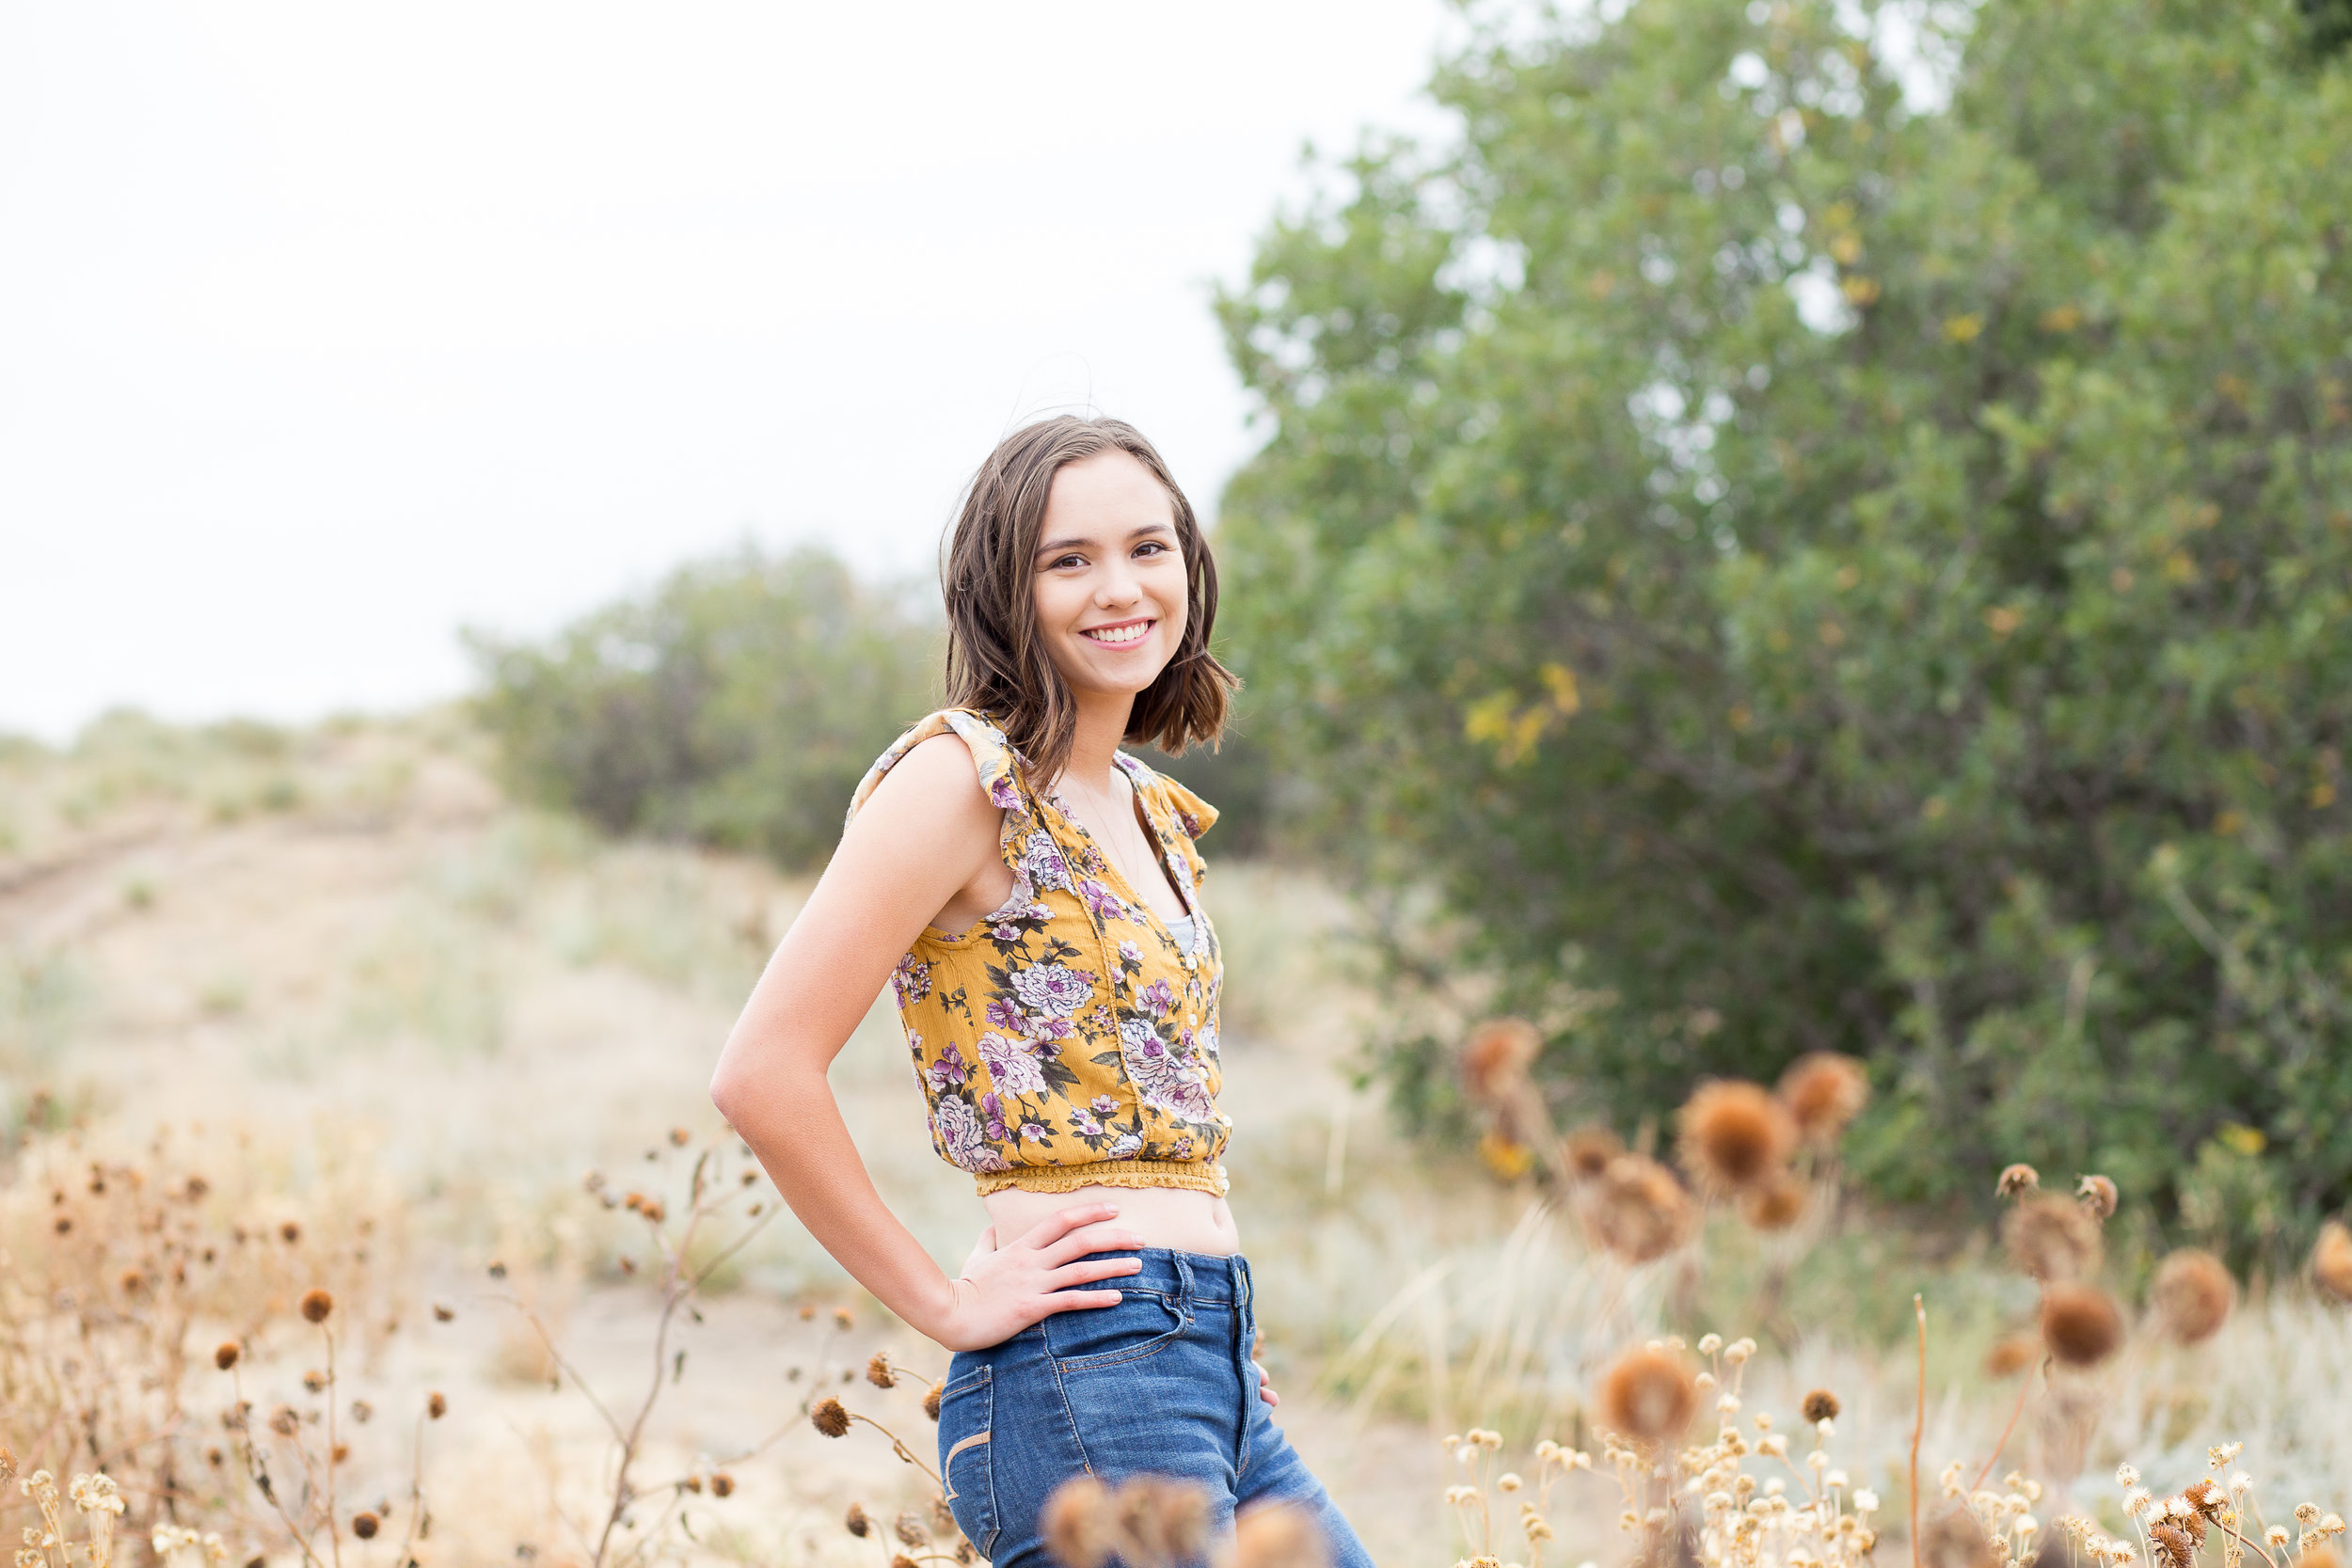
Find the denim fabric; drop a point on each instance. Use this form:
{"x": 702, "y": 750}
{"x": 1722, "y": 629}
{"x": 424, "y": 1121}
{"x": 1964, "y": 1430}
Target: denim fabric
{"x": 1161, "y": 1384}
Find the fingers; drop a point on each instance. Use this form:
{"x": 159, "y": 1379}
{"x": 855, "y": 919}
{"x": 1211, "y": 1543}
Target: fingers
{"x": 1053, "y": 1228}
{"x": 1091, "y": 1237}
{"x": 1065, "y": 1301}
{"x": 1092, "y": 1269}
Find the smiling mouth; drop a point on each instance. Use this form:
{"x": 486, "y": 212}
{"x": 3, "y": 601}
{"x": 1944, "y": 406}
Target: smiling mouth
{"x": 1120, "y": 635}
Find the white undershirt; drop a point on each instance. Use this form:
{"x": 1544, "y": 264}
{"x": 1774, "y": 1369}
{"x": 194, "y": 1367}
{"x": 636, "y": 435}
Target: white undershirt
{"x": 1180, "y": 929}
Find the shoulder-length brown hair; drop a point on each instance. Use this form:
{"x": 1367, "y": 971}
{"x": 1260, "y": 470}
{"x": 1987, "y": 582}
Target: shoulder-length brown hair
{"x": 997, "y": 662}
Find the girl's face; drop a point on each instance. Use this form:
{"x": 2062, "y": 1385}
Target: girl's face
{"x": 1110, "y": 576}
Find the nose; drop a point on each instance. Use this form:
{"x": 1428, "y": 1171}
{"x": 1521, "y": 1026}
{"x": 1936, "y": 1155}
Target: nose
{"x": 1117, "y": 586}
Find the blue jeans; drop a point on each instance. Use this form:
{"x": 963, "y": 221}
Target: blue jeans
{"x": 1161, "y": 1384}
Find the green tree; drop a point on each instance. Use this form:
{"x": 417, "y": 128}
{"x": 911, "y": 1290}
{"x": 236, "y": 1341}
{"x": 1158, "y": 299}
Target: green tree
{"x": 737, "y": 703}
{"x": 1822, "y": 573}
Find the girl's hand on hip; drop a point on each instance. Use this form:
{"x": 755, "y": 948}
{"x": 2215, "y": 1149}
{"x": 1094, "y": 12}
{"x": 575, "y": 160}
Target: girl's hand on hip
{"x": 1002, "y": 1289}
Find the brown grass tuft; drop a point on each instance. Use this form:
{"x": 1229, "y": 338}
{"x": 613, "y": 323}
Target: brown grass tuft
{"x": 2016, "y": 1179}
{"x": 1638, "y": 1211}
{"x": 2098, "y": 1196}
{"x": 830, "y": 1417}
{"x": 2051, "y": 1239}
{"x": 1776, "y": 1205}
{"x": 2193, "y": 1296}
{"x": 2332, "y": 1260}
{"x": 1732, "y": 1135}
{"x": 1647, "y": 1396}
{"x": 2080, "y": 1324}
{"x": 1824, "y": 1092}
{"x": 1588, "y": 1149}
{"x": 1496, "y": 1056}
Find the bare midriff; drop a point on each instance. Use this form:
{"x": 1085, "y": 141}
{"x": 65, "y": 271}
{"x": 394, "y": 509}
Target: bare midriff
{"x": 1174, "y": 1218}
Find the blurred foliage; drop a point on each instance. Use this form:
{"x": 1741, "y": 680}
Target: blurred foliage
{"x": 737, "y": 703}
{"x": 1794, "y": 569}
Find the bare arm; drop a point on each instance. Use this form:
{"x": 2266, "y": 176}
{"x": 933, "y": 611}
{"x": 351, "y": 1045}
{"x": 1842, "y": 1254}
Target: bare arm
{"x": 928, "y": 834}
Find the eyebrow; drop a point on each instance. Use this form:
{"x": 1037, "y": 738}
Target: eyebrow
{"x": 1051, "y": 545}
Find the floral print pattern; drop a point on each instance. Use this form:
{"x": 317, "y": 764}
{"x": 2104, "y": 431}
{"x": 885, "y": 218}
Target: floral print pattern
{"x": 1067, "y": 1037}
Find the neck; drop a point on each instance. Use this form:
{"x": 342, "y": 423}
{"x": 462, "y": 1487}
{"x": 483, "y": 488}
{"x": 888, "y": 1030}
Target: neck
{"x": 1101, "y": 725}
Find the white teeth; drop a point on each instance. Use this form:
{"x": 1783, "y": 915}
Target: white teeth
{"x": 1121, "y": 634}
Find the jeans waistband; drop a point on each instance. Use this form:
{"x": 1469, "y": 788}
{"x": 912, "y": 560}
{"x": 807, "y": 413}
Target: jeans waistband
{"x": 1187, "y": 1275}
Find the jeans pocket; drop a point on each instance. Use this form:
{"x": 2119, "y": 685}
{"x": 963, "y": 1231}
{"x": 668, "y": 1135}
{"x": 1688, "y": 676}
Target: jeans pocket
{"x": 967, "y": 1427}
{"x": 1086, "y": 1337}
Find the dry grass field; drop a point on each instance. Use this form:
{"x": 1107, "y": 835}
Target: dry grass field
{"x": 322, "y": 1011}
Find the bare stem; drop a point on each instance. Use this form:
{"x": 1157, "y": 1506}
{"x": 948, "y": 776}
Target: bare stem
{"x": 904, "y": 1453}
{"x": 334, "y": 1392}
{"x": 2022, "y": 1394}
{"x": 1919, "y": 1423}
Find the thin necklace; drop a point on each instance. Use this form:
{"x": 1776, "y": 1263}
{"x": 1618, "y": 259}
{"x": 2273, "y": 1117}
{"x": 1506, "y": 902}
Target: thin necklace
{"x": 1109, "y": 815}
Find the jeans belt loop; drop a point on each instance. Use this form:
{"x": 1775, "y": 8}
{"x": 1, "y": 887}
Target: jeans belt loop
{"x": 1183, "y": 1284}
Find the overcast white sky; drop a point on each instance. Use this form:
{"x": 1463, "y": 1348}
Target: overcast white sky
{"x": 327, "y": 329}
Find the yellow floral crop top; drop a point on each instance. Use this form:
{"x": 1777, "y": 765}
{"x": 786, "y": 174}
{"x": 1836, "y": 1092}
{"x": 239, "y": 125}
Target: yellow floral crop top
{"x": 1069, "y": 1038}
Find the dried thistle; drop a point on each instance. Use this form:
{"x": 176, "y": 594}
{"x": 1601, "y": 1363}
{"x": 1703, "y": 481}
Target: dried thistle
{"x": 2332, "y": 1260}
{"x": 857, "y": 1522}
{"x": 721, "y": 1484}
{"x": 1163, "y": 1522}
{"x": 2080, "y": 1324}
{"x": 225, "y": 1354}
{"x": 1496, "y": 1057}
{"x": 364, "y": 1526}
{"x": 1639, "y": 1211}
{"x": 1775, "y": 1205}
{"x": 1588, "y": 1149}
{"x": 1647, "y": 1396}
{"x": 1278, "y": 1535}
{"x": 435, "y": 1406}
{"x": 2016, "y": 1179}
{"x": 908, "y": 1527}
{"x": 2098, "y": 1196}
{"x": 1820, "y": 1406}
{"x": 316, "y": 1306}
{"x": 1732, "y": 1135}
{"x": 931, "y": 1400}
{"x": 1078, "y": 1525}
{"x": 2013, "y": 1355}
{"x": 2051, "y": 1239}
{"x": 1824, "y": 1092}
{"x": 830, "y": 1417}
{"x": 2193, "y": 1296}
{"x": 880, "y": 1372}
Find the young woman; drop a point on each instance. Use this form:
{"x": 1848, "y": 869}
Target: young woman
{"x": 1032, "y": 893}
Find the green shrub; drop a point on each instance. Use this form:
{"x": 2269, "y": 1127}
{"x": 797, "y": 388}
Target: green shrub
{"x": 1819, "y": 573}
{"x": 738, "y": 704}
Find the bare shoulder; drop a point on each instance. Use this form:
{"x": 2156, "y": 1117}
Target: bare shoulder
{"x": 934, "y": 790}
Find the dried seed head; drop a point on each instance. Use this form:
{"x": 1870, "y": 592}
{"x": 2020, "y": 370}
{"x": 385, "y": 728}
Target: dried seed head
{"x": 1954, "y": 1539}
{"x": 2332, "y": 1260}
{"x": 1639, "y": 1211}
{"x": 2051, "y": 1239}
{"x": 1078, "y": 1525}
{"x": 2174, "y": 1546}
{"x": 1731, "y": 1136}
{"x": 830, "y": 1417}
{"x": 435, "y": 1406}
{"x": 442, "y": 1314}
{"x": 842, "y": 1318}
{"x": 930, "y": 1401}
{"x": 1588, "y": 1150}
{"x": 908, "y": 1527}
{"x": 856, "y": 1522}
{"x": 2016, "y": 1179}
{"x": 1646, "y": 1395}
{"x": 1163, "y": 1521}
{"x": 679, "y": 1137}
{"x": 290, "y": 1232}
{"x": 2080, "y": 1325}
{"x": 2097, "y": 1195}
{"x": 2013, "y": 1355}
{"x": 1824, "y": 1092}
{"x": 285, "y": 1420}
{"x": 1820, "y": 1406}
{"x": 1277, "y": 1535}
{"x": 316, "y": 1304}
{"x": 315, "y": 1380}
{"x": 1775, "y": 1205}
{"x": 943, "y": 1517}
{"x": 721, "y": 1484}
{"x": 8, "y": 1465}
{"x": 225, "y": 1354}
{"x": 2193, "y": 1295}
{"x": 1496, "y": 1056}
{"x": 364, "y": 1526}
{"x": 880, "y": 1372}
